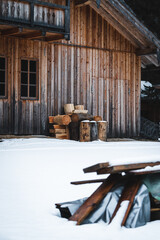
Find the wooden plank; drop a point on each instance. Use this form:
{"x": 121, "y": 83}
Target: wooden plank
{"x": 143, "y": 172}
{"x": 59, "y": 127}
{"x": 91, "y": 203}
{"x": 88, "y": 181}
{"x": 60, "y": 131}
{"x": 61, "y": 136}
{"x": 96, "y": 167}
{"x": 127, "y": 167}
{"x": 11, "y": 31}
{"x": 128, "y": 194}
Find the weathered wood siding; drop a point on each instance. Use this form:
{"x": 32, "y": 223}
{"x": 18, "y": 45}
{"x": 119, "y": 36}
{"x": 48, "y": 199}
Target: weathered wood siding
{"x": 104, "y": 77}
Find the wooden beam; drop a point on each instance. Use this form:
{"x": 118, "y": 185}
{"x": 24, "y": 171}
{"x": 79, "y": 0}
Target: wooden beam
{"x": 88, "y": 181}
{"x": 121, "y": 7}
{"x": 11, "y": 31}
{"x": 143, "y": 172}
{"x": 92, "y": 202}
{"x": 153, "y": 60}
{"x": 123, "y": 31}
{"x": 108, "y": 7}
{"x": 32, "y": 35}
{"x": 80, "y": 3}
{"x": 145, "y": 52}
{"x": 126, "y": 168}
{"x": 96, "y": 167}
{"x": 54, "y": 38}
{"x": 128, "y": 194}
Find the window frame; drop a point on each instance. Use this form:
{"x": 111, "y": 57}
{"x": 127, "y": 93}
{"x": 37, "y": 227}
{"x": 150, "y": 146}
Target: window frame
{"x": 28, "y": 83}
{"x": 6, "y": 78}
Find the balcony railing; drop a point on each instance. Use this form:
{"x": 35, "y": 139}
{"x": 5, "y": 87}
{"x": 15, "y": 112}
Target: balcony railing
{"x": 36, "y": 15}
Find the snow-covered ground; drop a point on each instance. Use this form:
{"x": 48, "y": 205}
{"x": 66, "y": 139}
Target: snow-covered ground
{"x": 36, "y": 173}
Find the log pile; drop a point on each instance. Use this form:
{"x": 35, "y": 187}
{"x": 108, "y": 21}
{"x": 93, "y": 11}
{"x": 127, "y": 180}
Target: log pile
{"x": 77, "y": 125}
{"x": 58, "y": 126}
{"x": 132, "y": 180}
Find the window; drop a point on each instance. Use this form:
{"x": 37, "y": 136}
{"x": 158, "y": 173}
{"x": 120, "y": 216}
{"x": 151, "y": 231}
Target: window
{"x": 29, "y": 79}
{"x": 2, "y": 77}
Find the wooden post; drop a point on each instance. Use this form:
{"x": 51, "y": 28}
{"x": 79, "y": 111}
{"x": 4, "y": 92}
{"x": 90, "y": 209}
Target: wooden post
{"x": 84, "y": 131}
{"x": 93, "y": 130}
{"x": 102, "y": 131}
{"x": 74, "y": 130}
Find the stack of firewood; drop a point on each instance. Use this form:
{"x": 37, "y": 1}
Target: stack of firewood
{"x": 58, "y": 126}
{"x": 77, "y": 125}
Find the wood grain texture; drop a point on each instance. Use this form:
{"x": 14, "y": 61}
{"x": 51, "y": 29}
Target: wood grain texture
{"x": 97, "y": 68}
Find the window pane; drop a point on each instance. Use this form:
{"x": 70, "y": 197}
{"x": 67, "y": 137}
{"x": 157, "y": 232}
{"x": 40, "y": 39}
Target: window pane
{"x": 32, "y": 66}
{"x": 24, "y": 65}
{"x": 24, "y": 78}
{"x": 2, "y": 89}
{"x": 32, "y": 90}
{"x": 32, "y": 78}
{"x": 2, "y": 63}
{"x": 24, "y": 91}
{"x": 2, "y": 76}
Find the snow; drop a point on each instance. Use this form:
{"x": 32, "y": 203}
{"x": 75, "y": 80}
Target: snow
{"x": 145, "y": 83}
{"x": 36, "y": 173}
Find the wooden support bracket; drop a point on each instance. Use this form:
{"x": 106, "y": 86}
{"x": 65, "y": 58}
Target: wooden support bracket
{"x": 11, "y": 31}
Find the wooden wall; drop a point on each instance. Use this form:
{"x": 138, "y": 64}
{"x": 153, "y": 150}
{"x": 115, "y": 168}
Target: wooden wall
{"x": 97, "y": 68}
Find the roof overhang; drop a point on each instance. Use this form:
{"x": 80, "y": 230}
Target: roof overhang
{"x": 121, "y": 17}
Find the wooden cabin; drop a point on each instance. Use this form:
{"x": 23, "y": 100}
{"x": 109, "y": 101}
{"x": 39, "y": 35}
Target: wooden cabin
{"x": 83, "y": 52}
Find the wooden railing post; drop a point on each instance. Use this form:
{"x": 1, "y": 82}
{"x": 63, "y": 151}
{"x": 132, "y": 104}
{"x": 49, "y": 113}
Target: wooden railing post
{"x": 67, "y": 21}
{"x": 32, "y": 13}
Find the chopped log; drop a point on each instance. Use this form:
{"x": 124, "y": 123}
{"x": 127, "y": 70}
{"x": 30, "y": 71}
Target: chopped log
{"x": 79, "y": 107}
{"x": 88, "y": 181}
{"x": 68, "y": 108}
{"x": 102, "y": 131}
{"x": 126, "y": 167}
{"x": 51, "y": 119}
{"x": 62, "y": 119}
{"x": 76, "y": 117}
{"x": 80, "y": 111}
{"x": 59, "y": 127}
{"x": 97, "y": 118}
{"x": 61, "y": 131}
{"x": 61, "y": 136}
{"x": 129, "y": 194}
{"x": 84, "y": 131}
{"x": 96, "y": 167}
{"x": 74, "y": 130}
{"x": 91, "y": 203}
{"x": 93, "y": 130}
